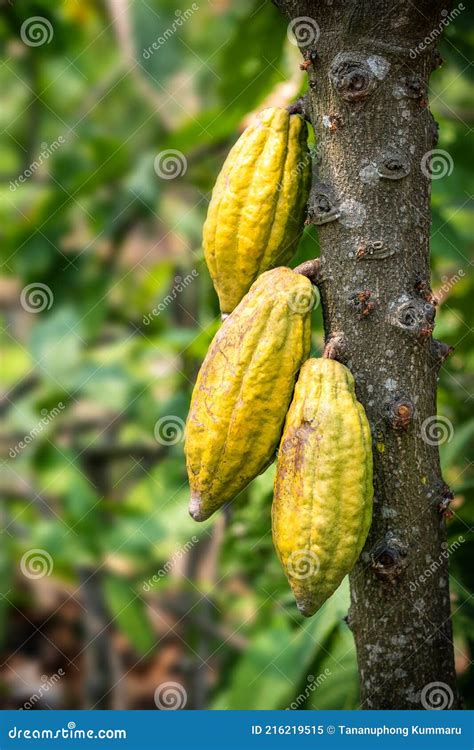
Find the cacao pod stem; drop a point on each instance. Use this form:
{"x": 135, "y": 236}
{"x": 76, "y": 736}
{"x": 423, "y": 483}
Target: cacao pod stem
{"x": 299, "y": 107}
{"x": 311, "y": 269}
{"x": 335, "y": 346}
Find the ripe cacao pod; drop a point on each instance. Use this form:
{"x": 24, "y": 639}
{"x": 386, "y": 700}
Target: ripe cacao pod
{"x": 322, "y": 506}
{"x": 244, "y": 388}
{"x": 256, "y": 213}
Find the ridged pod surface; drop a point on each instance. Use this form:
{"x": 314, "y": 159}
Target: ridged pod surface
{"x": 322, "y": 507}
{"x": 244, "y": 388}
{"x": 256, "y": 213}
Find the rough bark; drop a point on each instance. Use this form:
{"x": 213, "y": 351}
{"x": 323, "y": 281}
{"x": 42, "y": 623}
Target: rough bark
{"x": 367, "y": 102}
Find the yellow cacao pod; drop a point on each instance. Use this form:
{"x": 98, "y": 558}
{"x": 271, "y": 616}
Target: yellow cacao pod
{"x": 244, "y": 388}
{"x": 322, "y": 505}
{"x": 256, "y": 213}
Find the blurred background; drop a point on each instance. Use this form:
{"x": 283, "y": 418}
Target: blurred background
{"x": 115, "y": 119}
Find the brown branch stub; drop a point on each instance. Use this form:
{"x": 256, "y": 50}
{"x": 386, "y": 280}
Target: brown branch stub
{"x": 353, "y": 75}
{"x": 393, "y": 165}
{"x": 362, "y": 302}
{"x": 414, "y": 316}
{"x": 444, "y": 508}
{"x": 411, "y": 87}
{"x": 310, "y": 56}
{"x": 433, "y": 127}
{"x": 349, "y": 620}
{"x": 422, "y": 286}
{"x": 436, "y": 59}
{"x": 323, "y": 206}
{"x": 311, "y": 269}
{"x": 440, "y": 351}
{"x": 440, "y": 496}
{"x": 388, "y": 558}
{"x": 334, "y": 122}
{"x": 400, "y": 411}
{"x": 374, "y": 250}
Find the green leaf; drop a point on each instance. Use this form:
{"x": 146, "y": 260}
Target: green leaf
{"x": 459, "y": 447}
{"x": 129, "y": 613}
{"x": 109, "y": 386}
{"x": 276, "y": 661}
{"x": 336, "y": 684}
{"x": 56, "y": 346}
{"x": 257, "y": 68}
{"x": 159, "y": 27}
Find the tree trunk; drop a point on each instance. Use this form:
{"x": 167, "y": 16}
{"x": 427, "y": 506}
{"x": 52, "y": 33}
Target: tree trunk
{"x": 370, "y": 198}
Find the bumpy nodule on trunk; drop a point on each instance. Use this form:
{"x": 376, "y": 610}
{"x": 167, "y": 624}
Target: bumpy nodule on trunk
{"x": 368, "y": 73}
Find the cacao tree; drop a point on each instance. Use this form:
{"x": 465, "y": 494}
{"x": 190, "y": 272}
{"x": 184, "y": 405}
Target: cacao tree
{"x": 368, "y": 66}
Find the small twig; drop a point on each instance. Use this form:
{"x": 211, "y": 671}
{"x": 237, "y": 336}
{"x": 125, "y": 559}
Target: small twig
{"x": 114, "y": 452}
{"x": 311, "y": 269}
{"x": 103, "y": 668}
{"x": 20, "y": 389}
{"x": 238, "y": 642}
{"x": 300, "y": 107}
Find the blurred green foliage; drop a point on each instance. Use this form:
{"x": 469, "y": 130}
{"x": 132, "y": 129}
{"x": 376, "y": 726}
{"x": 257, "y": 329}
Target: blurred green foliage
{"x": 110, "y": 239}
